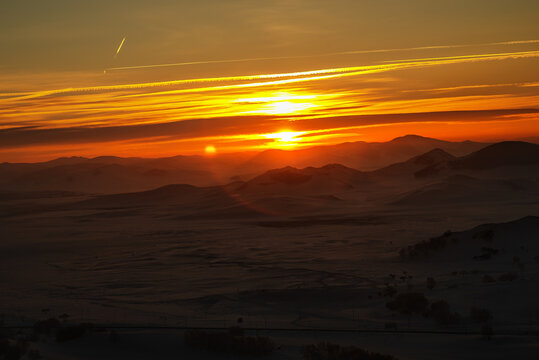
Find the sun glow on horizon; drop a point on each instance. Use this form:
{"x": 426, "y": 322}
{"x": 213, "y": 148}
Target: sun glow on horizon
{"x": 210, "y": 150}
{"x": 285, "y": 138}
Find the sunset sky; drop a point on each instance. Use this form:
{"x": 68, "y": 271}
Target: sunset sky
{"x": 160, "y": 78}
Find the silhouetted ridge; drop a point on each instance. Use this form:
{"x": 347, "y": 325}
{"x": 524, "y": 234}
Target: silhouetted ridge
{"x": 287, "y": 175}
{"x": 169, "y": 194}
{"x": 163, "y": 193}
{"x": 432, "y": 157}
{"x": 504, "y": 153}
{"x": 331, "y": 167}
{"x": 412, "y": 137}
{"x": 291, "y": 175}
{"x": 522, "y": 222}
{"x": 328, "y": 179}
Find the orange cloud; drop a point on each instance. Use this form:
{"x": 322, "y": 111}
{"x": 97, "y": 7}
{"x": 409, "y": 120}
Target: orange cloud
{"x": 234, "y": 112}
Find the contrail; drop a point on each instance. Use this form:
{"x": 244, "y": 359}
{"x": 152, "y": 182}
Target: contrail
{"x": 517, "y": 42}
{"x": 209, "y": 62}
{"x": 351, "y": 52}
{"x": 281, "y": 78}
{"x": 119, "y": 47}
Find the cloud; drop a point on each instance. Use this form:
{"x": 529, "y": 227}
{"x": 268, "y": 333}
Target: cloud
{"x": 236, "y": 127}
{"x": 325, "y": 102}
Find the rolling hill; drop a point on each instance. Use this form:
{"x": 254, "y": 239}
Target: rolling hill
{"x": 110, "y": 174}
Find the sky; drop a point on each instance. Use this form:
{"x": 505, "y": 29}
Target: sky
{"x": 160, "y": 78}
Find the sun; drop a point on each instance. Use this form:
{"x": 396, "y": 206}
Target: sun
{"x": 210, "y": 150}
{"x": 285, "y": 138}
{"x": 278, "y": 103}
{"x": 286, "y": 107}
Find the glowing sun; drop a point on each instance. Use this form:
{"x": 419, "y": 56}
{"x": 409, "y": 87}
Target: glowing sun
{"x": 285, "y": 138}
{"x": 286, "y": 107}
{"x": 210, "y": 150}
{"x": 280, "y": 103}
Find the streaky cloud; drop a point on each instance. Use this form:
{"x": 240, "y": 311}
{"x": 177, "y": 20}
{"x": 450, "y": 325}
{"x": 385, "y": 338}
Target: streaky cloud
{"x": 333, "y": 72}
{"x": 349, "y": 52}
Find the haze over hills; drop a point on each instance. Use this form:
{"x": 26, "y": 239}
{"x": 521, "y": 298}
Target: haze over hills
{"x": 430, "y": 179}
{"x": 359, "y": 155}
{"x": 504, "y": 153}
{"x": 503, "y": 172}
{"x": 110, "y": 174}
{"x": 461, "y": 189}
{"x": 503, "y": 159}
{"x": 328, "y": 179}
{"x": 96, "y": 177}
{"x": 176, "y": 194}
{"x": 490, "y": 157}
{"x": 272, "y": 191}
{"x": 415, "y": 164}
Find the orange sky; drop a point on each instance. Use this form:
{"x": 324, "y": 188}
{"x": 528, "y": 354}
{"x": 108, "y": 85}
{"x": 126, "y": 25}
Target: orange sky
{"x": 455, "y": 90}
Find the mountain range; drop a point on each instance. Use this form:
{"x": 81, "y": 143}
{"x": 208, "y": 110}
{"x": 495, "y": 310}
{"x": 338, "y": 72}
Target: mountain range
{"x": 109, "y": 174}
{"x": 433, "y": 178}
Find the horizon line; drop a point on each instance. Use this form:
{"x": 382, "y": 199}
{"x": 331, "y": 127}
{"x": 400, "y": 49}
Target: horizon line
{"x": 531, "y": 140}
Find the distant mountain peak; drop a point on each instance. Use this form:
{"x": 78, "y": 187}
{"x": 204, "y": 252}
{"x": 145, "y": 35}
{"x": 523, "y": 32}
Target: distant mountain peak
{"x": 504, "y": 153}
{"x": 68, "y": 158}
{"x": 284, "y": 169}
{"x": 432, "y": 157}
{"x": 412, "y": 137}
{"x": 510, "y": 145}
{"x": 335, "y": 166}
{"x": 329, "y": 174}
{"x": 286, "y": 175}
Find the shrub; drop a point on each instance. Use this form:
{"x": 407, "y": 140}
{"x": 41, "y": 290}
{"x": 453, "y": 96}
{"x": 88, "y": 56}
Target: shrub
{"x": 46, "y": 326}
{"x": 486, "y": 253}
{"x": 9, "y": 350}
{"x": 13, "y": 349}
{"x": 426, "y": 246}
{"x": 113, "y": 336}
{"x": 389, "y": 291}
{"x": 441, "y": 312}
{"x": 34, "y": 354}
{"x": 408, "y": 303}
{"x": 480, "y": 315}
{"x": 329, "y": 351}
{"x": 71, "y": 332}
{"x": 423, "y": 247}
{"x": 487, "y": 331}
{"x": 508, "y": 277}
{"x": 486, "y": 235}
{"x": 227, "y": 343}
{"x": 235, "y": 331}
{"x": 431, "y": 283}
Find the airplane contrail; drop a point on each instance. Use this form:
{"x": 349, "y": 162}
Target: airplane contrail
{"x": 119, "y": 47}
{"x": 207, "y": 62}
{"x": 352, "y": 52}
{"x": 280, "y": 78}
